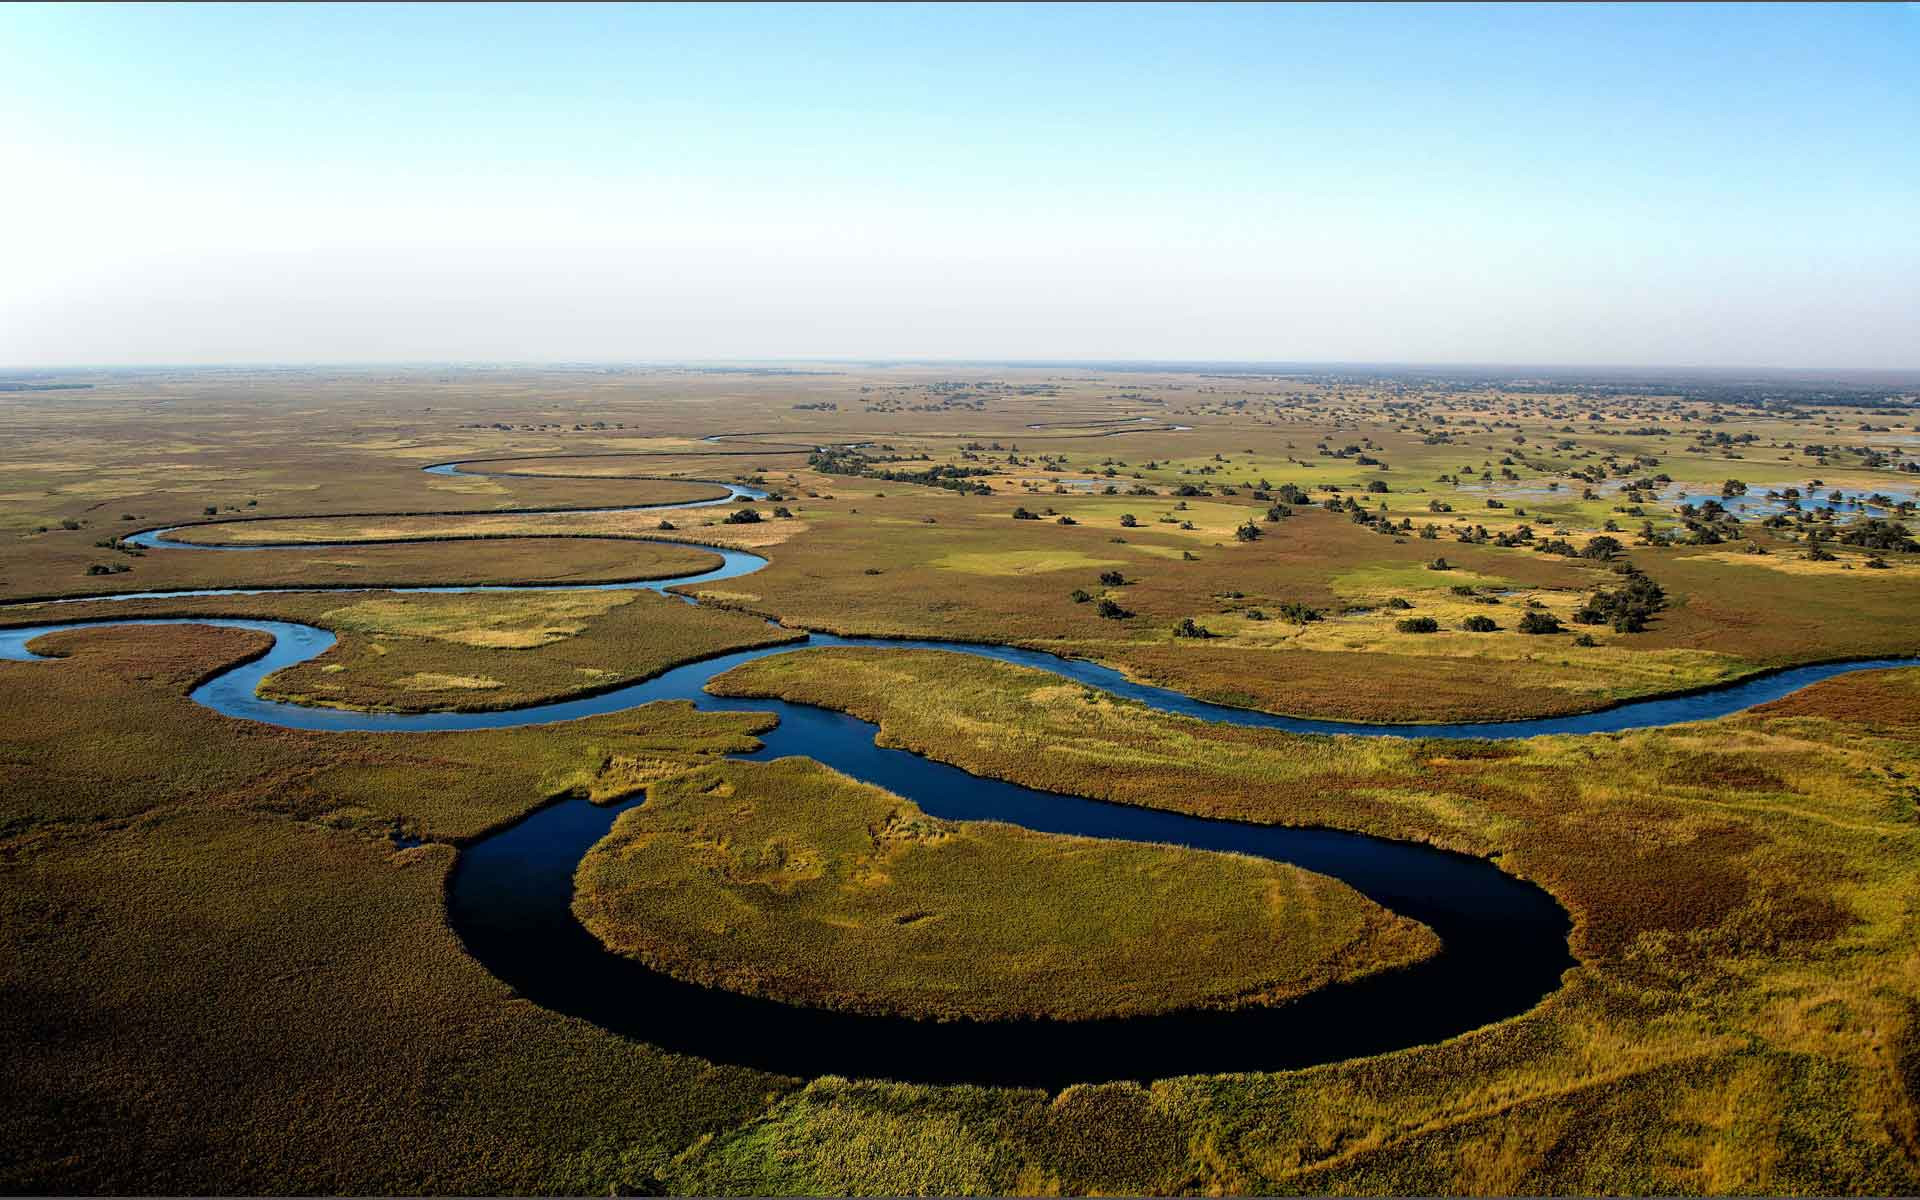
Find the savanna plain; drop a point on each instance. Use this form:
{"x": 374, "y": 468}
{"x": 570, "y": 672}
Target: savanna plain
{"x": 228, "y": 959}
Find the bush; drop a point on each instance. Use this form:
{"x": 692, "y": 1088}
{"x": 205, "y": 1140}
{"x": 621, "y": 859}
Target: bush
{"x": 1875, "y": 533}
{"x": 1080, "y": 595}
{"x": 1440, "y": 564}
{"x": 1602, "y": 548}
{"x": 742, "y": 516}
{"x": 667, "y": 525}
{"x": 1021, "y": 514}
{"x": 1247, "y": 533}
{"x": 1628, "y": 608}
{"x": 1418, "y": 625}
{"x": 1299, "y": 614}
{"x": 1399, "y": 602}
{"x": 1479, "y": 624}
{"x": 782, "y": 511}
{"x": 1112, "y": 579}
{"x": 1536, "y": 621}
{"x": 1066, "y": 520}
{"x": 1187, "y": 629}
{"x": 1585, "y": 639}
{"x": 1112, "y": 611}
{"x": 1129, "y": 521}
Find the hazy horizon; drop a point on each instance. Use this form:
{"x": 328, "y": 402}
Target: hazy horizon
{"x": 1590, "y": 188}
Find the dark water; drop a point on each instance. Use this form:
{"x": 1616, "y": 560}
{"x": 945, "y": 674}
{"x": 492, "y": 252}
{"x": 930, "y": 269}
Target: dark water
{"x": 510, "y": 895}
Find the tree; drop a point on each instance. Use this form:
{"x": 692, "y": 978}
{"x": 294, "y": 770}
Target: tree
{"x": 1479, "y": 624}
{"x": 1300, "y": 614}
{"x": 1187, "y": 629}
{"x": 1129, "y": 521}
{"x": 1112, "y": 611}
{"x": 1247, "y": 533}
{"x": 1602, "y": 548}
{"x": 1536, "y": 621}
{"x": 1113, "y": 579}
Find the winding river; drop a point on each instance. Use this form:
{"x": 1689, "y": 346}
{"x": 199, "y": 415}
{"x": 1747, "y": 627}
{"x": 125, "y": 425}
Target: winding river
{"x": 510, "y": 895}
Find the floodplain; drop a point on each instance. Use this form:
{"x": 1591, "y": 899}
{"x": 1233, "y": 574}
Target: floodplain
{"x": 228, "y": 955}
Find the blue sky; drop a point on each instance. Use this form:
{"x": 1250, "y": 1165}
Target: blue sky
{"x": 1606, "y": 184}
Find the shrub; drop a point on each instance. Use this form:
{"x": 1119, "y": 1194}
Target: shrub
{"x": 667, "y": 525}
{"x": 1875, "y": 533}
{"x": 1418, "y": 625}
{"x": 1187, "y": 629}
{"x": 1479, "y": 624}
{"x": 1066, "y": 520}
{"x": 1129, "y": 521}
{"x": 1247, "y": 533}
{"x": 1300, "y": 614}
{"x": 1112, "y": 611}
{"x": 1021, "y": 514}
{"x": 1628, "y": 608}
{"x": 1536, "y": 621}
{"x": 1080, "y": 595}
{"x": 1440, "y": 564}
{"x": 1112, "y": 579}
{"x": 782, "y": 511}
{"x": 1399, "y": 602}
{"x": 1602, "y": 548}
{"x": 742, "y": 516}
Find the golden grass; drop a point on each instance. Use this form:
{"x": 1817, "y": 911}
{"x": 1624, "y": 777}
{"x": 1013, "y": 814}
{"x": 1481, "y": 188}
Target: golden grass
{"x": 1744, "y": 898}
{"x": 790, "y": 880}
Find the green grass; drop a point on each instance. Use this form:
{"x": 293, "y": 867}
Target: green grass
{"x": 217, "y": 974}
{"x": 429, "y": 651}
{"x": 1743, "y": 894}
{"x": 789, "y": 880}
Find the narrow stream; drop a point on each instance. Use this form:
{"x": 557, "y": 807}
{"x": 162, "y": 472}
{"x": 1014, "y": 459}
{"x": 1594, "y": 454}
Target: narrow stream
{"x": 1505, "y": 940}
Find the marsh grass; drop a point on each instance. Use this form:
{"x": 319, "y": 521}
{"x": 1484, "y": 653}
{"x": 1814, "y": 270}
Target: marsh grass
{"x": 790, "y": 880}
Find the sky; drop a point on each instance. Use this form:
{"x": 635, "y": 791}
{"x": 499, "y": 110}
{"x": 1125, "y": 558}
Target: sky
{"x": 1605, "y": 185}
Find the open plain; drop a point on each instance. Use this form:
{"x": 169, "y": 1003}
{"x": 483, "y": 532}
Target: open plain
{"x": 233, "y": 958}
